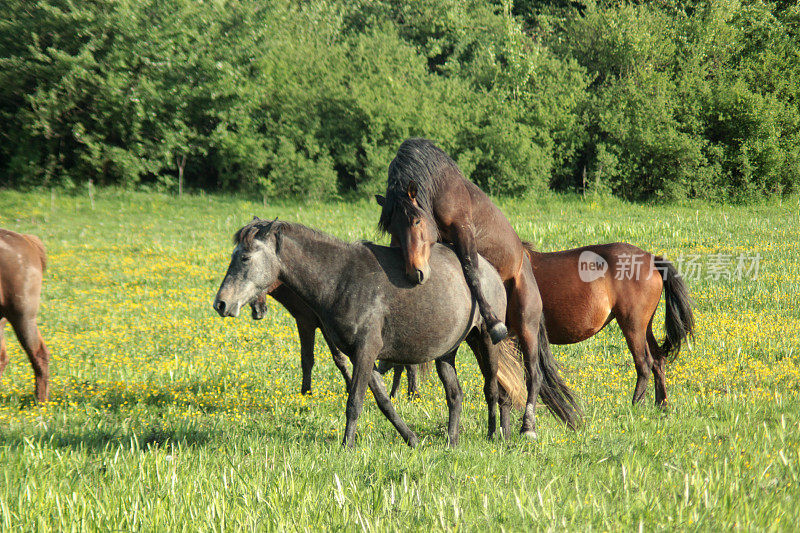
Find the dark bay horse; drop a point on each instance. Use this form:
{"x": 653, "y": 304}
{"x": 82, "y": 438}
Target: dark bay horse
{"x": 370, "y": 311}
{"x": 586, "y": 288}
{"x": 307, "y": 324}
{"x": 429, "y": 200}
{"x": 22, "y": 265}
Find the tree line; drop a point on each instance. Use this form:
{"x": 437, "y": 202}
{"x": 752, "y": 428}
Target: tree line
{"x": 284, "y": 98}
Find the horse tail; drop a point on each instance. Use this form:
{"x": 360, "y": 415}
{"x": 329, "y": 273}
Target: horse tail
{"x": 679, "y": 318}
{"x": 554, "y": 392}
{"x": 37, "y": 243}
{"x": 529, "y": 249}
{"x": 511, "y": 373}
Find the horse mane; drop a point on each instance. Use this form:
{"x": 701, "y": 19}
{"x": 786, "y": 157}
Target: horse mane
{"x": 37, "y": 243}
{"x": 421, "y": 162}
{"x": 259, "y": 229}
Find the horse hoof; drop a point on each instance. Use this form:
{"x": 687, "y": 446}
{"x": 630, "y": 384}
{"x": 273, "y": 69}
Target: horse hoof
{"x": 530, "y": 434}
{"x": 498, "y": 333}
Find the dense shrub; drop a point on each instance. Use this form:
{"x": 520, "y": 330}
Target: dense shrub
{"x": 645, "y": 99}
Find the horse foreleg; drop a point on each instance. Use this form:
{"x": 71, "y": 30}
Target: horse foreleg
{"x": 339, "y": 359}
{"x": 467, "y": 251}
{"x": 363, "y": 359}
{"x": 446, "y": 368}
{"x": 385, "y": 405}
{"x": 307, "y": 333}
{"x": 658, "y": 368}
{"x": 33, "y": 344}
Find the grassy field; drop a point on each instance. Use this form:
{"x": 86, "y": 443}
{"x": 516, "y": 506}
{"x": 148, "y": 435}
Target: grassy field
{"x": 165, "y": 417}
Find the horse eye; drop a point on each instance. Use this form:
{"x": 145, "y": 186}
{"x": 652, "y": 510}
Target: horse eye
{"x": 245, "y": 258}
{"x": 417, "y": 222}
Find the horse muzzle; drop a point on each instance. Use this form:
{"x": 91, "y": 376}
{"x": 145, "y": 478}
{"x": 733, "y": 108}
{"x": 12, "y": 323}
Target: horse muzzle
{"x": 224, "y": 309}
{"x": 419, "y": 276}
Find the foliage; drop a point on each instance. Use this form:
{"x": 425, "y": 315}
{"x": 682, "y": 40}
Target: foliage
{"x": 645, "y": 99}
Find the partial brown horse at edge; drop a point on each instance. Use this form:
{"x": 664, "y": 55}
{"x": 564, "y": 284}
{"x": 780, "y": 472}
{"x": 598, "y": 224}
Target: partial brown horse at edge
{"x": 22, "y": 265}
{"x": 584, "y": 289}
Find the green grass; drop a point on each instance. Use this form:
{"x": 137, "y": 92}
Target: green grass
{"x": 165, "y": 417}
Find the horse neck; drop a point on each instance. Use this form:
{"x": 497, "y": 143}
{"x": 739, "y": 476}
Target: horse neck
{"x": 311, "y": 266}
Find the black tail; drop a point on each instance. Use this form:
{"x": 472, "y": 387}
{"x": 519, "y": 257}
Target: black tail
{"x": 555, "y": 394}
{"x": 679, "y": 319}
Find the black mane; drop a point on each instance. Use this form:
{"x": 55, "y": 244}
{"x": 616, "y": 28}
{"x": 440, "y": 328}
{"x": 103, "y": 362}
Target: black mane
{"x": 421, "y": 162}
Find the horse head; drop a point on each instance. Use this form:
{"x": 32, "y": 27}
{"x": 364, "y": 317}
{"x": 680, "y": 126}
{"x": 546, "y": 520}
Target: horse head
{"x": 253, "y": 269}
{"x": 413, "y": 230}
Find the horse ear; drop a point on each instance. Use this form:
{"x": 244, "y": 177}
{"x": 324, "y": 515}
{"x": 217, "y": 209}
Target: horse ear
{"x": 380, "y": 199}
{"x": 412, "y": 190}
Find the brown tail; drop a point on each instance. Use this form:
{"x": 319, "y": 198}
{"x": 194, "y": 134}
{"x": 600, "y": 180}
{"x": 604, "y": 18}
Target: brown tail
{"x": 37, "y": 243}
{"x": 529, "y": 249}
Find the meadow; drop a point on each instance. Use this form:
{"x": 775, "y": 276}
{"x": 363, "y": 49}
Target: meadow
{"x": 165, "y": 417}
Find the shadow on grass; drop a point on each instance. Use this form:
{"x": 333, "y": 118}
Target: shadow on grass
{"x": 152, "y": 437}
{"x": 111, "y": 398}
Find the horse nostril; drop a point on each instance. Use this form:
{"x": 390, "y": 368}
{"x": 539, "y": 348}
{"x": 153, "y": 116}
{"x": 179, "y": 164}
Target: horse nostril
{"x": 420, "y": 276}
{"x": 220, "y": 307}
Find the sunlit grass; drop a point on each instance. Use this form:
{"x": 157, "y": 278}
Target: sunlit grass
{"x": 166, "y": 417}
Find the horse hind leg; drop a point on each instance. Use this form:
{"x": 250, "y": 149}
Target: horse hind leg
{"x": 397, "y": 376}
{"x": 307, "y": 333}
{"x": 636, "y": 338}
{"x": 3, "y": 352}
{"x": 524, "y": 314}
{"x": 412, "y": 377}
{"x": 445, "y": 367}
{"x": 658, "y": 368}
{"x": 505, "y": 412}
{"x": 33, "y": 344}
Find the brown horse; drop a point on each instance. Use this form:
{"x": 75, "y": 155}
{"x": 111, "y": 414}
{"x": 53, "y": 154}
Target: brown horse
{"x": 22, "y": 264}
{"x": 586, "y": 288}
{"x": 307, "y": 324}
{"x": 429, "y": 200}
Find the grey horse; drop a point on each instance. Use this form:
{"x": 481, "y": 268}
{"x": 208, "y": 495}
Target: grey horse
{"x": 368, "y": 309}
